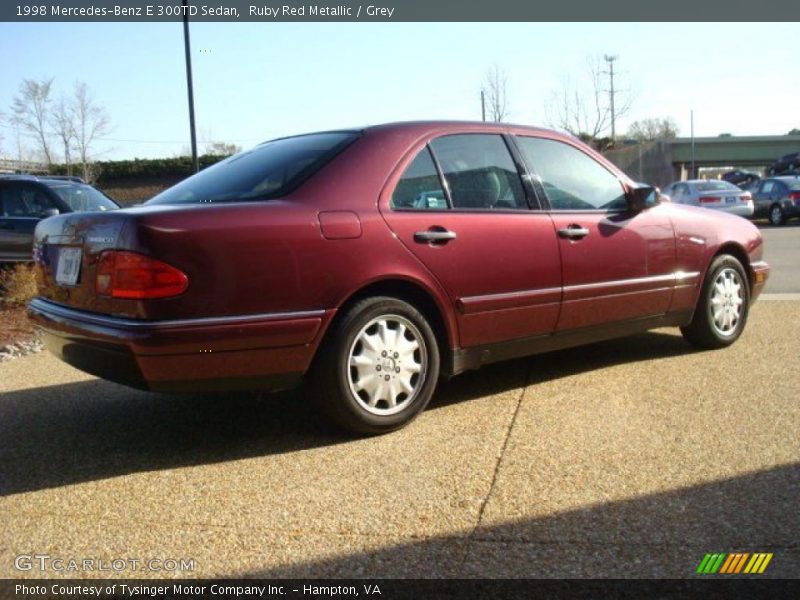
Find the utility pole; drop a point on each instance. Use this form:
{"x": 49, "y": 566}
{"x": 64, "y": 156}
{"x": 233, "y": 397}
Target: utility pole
{"x": 483, "y": 107}
{"x": 610, "y": 60}
{"x": 187, "y": 49}
{"x": 691, "y": 126}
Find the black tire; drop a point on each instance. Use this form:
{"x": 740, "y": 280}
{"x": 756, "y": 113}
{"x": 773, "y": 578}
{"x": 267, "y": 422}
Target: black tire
{"x": 703, "y": 332}
{"x": 776, "y": 215}
{"x": 334, "y": 380}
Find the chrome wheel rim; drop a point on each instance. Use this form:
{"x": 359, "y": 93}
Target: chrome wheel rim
{"x": 775, "y": 215}
{"x": 387, "y": 364}
{"x": 727, "y": 302}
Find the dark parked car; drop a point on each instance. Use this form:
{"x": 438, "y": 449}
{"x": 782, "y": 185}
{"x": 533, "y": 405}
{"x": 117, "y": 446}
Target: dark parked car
{"x": 785, "y": 163}
{"x": 778, "y": 198}
{"x": 25, "y": 200}
{"x": 741, "y": 178}
{"x": 372, "y": 262}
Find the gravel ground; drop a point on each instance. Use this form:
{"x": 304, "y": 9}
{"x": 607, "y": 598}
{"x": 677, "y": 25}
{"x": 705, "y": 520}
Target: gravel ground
{"x": 629, "y": 458}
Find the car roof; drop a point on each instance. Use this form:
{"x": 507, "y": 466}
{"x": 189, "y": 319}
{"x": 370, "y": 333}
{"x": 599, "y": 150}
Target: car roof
{"x": 41, "y": 178}
{"x": 439, "y": 126}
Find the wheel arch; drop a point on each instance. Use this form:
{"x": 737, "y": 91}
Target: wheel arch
{"x": 740, "y": 254}
{"x": 418, "y": 295}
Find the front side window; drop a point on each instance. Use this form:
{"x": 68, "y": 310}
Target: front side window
{"x": 480, "y": 172}
{"x": 420, "y": 188}
{"x": 269, "y": 170}
{"x": 572, "y": 179}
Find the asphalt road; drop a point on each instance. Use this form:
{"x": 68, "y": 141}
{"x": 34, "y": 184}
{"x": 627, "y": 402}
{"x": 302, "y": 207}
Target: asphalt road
{"x": 782, "y": 252}
{"x": 630, "y": 458}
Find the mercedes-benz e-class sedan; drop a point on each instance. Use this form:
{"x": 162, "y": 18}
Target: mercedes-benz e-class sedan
{"x": 370, "y": 263}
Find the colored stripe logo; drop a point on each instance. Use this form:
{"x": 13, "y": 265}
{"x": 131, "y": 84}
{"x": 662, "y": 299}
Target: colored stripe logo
{"x": 734, "y": 563}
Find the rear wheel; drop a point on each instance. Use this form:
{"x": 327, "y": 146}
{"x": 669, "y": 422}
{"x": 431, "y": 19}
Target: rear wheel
{"x": 721, "y": 312}
{"x": 378, "y": 368}
{"x": 776, "y": 216}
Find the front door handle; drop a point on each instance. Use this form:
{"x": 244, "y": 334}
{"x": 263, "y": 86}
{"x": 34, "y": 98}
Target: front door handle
{"x": 573, "y": 232}
{"x": 435, "y": 236}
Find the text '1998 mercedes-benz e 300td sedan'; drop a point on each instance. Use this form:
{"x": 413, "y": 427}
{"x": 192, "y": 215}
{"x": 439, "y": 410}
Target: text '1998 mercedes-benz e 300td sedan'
{"x": 372, "y": 262}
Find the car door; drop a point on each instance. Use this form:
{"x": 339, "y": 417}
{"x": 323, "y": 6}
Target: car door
{"x": 764, "y": 197}
{"x": 460, "y": 206}
{"x": 22, "y": 205}
{"x": 616, "y": 265}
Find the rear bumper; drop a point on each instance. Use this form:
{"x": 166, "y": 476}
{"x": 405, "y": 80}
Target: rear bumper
{"x": 759, "y": 279}
{"x": 268, "y": 351}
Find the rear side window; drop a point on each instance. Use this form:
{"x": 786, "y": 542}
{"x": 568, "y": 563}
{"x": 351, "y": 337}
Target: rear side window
{"x": 713, "y": 185}
{"x": 270, "y": 170}
{"x": 82, "y": 198}
{"x": 572, "y": 179}
{"x": 419, "y": 187}
{"x": 480, "y": 172}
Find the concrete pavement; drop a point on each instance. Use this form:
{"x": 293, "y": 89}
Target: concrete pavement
{"x": 629, "y": 458}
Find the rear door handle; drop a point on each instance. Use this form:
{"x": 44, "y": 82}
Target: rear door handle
{"x": 573, "y": 232}
{"x": 435, "y": 236}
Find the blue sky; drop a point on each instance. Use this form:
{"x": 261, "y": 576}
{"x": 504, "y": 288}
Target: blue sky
{"x": 255, "y": 81}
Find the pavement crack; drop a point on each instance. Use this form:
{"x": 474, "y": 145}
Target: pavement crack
{"x": 501, "y": 455}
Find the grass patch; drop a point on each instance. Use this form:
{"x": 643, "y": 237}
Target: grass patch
{"x": 17, "y": 285}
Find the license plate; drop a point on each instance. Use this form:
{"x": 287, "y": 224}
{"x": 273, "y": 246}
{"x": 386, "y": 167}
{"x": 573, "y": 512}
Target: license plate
{"x": 69, "y": 266}
{"x": 731, "y": 200}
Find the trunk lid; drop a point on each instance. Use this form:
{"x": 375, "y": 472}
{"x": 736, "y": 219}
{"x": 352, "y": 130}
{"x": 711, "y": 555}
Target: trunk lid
{"x": 66, "y": 249}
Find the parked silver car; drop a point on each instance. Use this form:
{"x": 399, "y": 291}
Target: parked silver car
{"x": 711, "y": 193}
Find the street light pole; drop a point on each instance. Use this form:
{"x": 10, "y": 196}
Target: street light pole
{"x": 483, "y": 106}
{"x": 189, "y": 86}
{"x": 610, "y": 60}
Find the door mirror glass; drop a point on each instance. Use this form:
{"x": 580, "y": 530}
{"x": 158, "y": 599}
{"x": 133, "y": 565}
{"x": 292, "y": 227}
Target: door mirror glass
{"x": 642, "y": 196}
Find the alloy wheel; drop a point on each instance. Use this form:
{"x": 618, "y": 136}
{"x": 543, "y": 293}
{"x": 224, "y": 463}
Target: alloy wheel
{"x": 387, "y": 365}
{"x": 727, "y": 301}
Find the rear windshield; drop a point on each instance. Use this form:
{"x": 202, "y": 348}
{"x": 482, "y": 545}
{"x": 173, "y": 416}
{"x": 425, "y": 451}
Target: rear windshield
{"x": 81, "y": 197}
{"x": 712, "y": 186}
{"x": 269, "y": 170}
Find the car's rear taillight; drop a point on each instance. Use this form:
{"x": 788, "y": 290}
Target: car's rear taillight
{"x": 794, "y": 196}
{"x": 747, "y": 197}
{"x": 709, "y": 199}
{"x": 123, "y": 274}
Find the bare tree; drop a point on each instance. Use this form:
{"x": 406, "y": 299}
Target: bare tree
{"x": 583, "y": 107}
{"x": 61, "y": 122}
{"x": 30, "y": 111}
{"x": 89, "y": 121}
{"x": 222, "y": 149}
{"x": 494, "y": 89}
{"x": 653, "y": 129}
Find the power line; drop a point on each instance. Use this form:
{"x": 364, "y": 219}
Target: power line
{"x": 106, "y": 139}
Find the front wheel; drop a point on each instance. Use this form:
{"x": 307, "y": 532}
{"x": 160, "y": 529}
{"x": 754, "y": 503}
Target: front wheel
{"x": 721, "y": 312}
{"x": 378, "y": 368}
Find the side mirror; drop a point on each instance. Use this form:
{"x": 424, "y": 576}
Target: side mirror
{"x": 50, "y": 212}
{"x": 641, "y": 196}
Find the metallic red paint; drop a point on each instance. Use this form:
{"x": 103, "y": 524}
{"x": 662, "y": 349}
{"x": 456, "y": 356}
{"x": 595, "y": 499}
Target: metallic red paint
{"x": 268, "y": 277}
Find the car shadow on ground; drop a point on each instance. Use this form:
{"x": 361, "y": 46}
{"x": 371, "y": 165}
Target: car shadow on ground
{"x": 664, "y": 534}
{"x": 89, "y": 430}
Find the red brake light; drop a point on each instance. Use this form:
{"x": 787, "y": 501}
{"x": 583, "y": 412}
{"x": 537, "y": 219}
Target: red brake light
{"x": 123, "y": 274}
{"x": 709, "y": 199}
{"x": 747, "y": 196}
{"x": 794, "y": 196}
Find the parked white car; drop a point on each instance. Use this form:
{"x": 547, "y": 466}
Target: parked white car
{"x": 711, "y": 193}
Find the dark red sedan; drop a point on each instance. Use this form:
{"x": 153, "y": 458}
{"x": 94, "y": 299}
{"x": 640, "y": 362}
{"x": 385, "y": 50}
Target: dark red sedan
{"x": 373, "y": 262}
